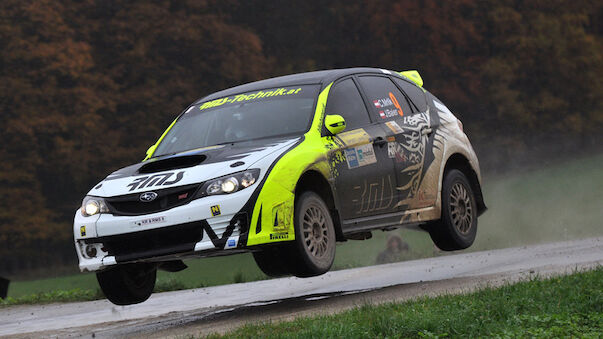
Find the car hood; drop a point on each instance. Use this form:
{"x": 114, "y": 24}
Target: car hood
{"x": 190, "y": 167}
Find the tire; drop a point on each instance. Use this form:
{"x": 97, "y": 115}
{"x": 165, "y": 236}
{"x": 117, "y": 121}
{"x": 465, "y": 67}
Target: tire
{"x": 273, "y": 261}
{"x": 128, "y": 284}
{"x": 458, "y": 226}
{"x": 313, "y": 251}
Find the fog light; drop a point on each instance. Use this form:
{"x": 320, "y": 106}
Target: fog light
{"x": 90, "y": 251}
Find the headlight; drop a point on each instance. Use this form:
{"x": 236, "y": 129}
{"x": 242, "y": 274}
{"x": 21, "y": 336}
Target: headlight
{"x": 230, "y": 183}
{"x": 93, "y": 205}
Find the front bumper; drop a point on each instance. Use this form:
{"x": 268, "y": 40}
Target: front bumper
{"x": 202, "y": 227}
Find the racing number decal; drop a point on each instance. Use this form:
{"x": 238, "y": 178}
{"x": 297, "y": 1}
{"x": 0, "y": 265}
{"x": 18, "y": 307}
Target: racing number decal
{"x": 395, "y": 101}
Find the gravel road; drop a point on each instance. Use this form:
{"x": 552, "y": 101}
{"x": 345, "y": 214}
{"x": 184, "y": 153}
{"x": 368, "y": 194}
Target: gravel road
{"x": 220, "y": 308}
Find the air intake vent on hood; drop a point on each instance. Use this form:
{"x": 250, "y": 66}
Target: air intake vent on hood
{"x": 172, "y": 163}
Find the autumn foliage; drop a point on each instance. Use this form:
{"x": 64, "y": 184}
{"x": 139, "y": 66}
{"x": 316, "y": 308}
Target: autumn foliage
{"x": 87, "y": 85}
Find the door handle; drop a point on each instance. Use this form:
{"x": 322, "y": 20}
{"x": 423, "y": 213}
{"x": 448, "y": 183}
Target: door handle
{"x": 379, "y": 141}
{"x": 426, "y": 131}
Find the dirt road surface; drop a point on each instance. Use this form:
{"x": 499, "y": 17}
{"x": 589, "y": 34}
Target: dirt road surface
{"x": 221, "y": 308}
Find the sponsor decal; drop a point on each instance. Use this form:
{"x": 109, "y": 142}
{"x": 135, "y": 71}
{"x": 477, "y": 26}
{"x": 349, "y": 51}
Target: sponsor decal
{"x": 278, "y": 236}
{"x": 394, "y": 127}
{"x": 354, "y": 137}
{"x": 384, "y": 102}
{"x": 147, "y": 196}
{"x": 231, "y": 243}
{"x": 281, "y": 216}
{"x": 215, "y": 210}
{"x": 252, "y": 96}
{"x": 83, "y": 231}
{"x": 360, "y": 156}
{"x": 149, "y": 221}
{"x": 366, "y": 154}
{"x": 156, "y": 180}
{"x": 388, "y": 113}
{"x": 351, "y": 158}
{"x": 375, "y": 195}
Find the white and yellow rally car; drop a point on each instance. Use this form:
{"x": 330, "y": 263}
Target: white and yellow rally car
{"x": 284, "y": 168}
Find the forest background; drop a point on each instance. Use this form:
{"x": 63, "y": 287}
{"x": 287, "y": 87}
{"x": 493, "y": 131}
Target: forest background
{"x": 86, "y": 86}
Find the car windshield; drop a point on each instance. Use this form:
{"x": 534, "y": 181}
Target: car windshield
{"x": 241, "y": 117}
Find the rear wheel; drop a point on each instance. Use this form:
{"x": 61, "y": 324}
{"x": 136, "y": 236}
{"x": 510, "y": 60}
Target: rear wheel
{"x": 458, "y": 226}
{"x": 313, "y": 251}
{"x": 128, "y": 284}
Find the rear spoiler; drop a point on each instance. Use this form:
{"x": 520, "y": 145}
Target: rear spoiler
{"x": 413, "y": 76}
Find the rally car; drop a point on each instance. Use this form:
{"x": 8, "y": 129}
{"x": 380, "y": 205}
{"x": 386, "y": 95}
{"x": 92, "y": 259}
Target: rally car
{"x": 284, "y": 168}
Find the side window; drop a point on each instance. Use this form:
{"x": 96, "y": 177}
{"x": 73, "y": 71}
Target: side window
{"x": 345, "y": 100}
{"x": 386, "y": 101}
{"x": 416, "y": 95}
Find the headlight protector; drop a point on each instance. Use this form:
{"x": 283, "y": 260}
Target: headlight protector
{"x": 230, "y": 183}
{"x": 93, "y": 205}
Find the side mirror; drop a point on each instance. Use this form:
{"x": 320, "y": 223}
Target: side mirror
{"x": 334, "y": 123}
{"x": 150, "y": 151}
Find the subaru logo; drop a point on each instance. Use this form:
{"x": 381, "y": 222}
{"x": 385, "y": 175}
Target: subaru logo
{"x": 148, "y": 196}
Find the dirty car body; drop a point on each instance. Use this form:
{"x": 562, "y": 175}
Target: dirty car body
{"x": 283, "y": 168}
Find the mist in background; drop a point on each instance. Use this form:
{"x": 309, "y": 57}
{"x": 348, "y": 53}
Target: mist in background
{"x": 88, "y": 85}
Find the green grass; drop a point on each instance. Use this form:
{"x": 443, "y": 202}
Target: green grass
{"x": 569, "y": 306}
{"x": 554, "y": 203}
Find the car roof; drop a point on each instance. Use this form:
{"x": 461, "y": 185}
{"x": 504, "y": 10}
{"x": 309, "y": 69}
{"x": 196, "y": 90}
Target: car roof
{"x": 308, "y": 78}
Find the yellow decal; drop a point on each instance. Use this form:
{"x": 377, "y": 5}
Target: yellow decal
{"x": 215, "y": 210}
{"x": 251, "y": 96}
{"x": 83, "y": 231}
{"x": 354, "y": 137}
{"x": 280, "y": 215}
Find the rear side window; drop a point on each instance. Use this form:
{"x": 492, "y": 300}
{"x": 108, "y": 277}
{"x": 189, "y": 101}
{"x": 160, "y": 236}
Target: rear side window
{"x": 345, "y": 100}
{"x": 385, "y": 100}
{"x": 416, "y": 95}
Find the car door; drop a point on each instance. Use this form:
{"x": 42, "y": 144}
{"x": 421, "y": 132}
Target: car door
{"x": 362, "y": 170}
{"x": 406, "y": 133}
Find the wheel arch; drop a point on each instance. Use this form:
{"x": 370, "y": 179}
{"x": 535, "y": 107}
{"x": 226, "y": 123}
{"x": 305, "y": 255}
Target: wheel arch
{"x": 314, "y": 181}
{"x": 460, "y": 162}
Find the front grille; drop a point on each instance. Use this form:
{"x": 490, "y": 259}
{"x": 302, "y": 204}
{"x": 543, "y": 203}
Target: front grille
{"x": 130, "y": 204}
{"x": 152, "y": 243}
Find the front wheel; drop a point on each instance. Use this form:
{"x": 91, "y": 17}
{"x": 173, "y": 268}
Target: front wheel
{"x": 128, "y": 284}
{"x": 458, "y": 226}
{"x": 313, "y": 251}
{"x": 273, "y": 261}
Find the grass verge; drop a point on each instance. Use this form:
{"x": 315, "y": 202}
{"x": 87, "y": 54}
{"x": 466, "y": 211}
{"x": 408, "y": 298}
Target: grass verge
{"x": 568, "y": 306}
